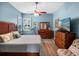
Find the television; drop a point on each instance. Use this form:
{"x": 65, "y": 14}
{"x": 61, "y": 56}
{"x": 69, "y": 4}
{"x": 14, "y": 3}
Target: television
{"x": 63, "y": 24}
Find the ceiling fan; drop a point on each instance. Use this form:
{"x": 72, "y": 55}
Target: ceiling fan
{"x": 38, "y": 12}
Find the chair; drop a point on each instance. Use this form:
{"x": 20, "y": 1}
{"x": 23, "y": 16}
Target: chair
{"x": 73, "y": 50}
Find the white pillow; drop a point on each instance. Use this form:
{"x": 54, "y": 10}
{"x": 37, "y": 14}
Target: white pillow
{"x": 16, "y": 34}
{"x": 5, "y": 37}
{"x": 10, "y": 35}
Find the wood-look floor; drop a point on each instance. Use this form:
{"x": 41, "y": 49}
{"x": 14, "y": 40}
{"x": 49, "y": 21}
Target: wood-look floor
{"x": 49, "y": 47}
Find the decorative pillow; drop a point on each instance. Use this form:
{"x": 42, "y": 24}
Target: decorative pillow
{"x": 5, "y": 37}
{"x": 65, "y": 52}
{"x": 16, "y": 34}
{"x": 75, "y": 47}
{"x": 10, "y": 35}
{"x": 1, "y": 39}
{"x": 75, "y": 42}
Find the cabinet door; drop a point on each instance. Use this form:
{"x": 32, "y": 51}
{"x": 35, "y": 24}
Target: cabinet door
{"x": 60, "y": 39}
{"x": 63, "y": 37}
{"x": 58, "y": 35}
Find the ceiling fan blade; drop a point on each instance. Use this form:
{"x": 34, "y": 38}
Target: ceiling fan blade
{"x": 40, "y": 12}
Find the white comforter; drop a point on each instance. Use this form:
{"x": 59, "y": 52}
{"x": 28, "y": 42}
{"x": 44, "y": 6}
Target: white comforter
{"x": 26, "y": 43}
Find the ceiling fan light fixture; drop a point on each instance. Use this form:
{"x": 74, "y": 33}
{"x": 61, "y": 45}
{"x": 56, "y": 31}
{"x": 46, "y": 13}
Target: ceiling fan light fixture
{"x": 38, "y": 12}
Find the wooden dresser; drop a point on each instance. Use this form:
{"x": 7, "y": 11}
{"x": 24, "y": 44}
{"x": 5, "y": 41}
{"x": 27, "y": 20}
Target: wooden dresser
{"x": 64, "y": 39}
{"x": 45, "y": 33}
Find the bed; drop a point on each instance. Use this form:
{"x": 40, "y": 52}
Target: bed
{"x": 23, "y": 46}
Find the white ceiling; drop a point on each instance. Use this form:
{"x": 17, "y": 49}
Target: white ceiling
{"x": 29, "y": 7}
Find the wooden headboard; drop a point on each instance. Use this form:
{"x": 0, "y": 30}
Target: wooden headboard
{"x": 6, "y": 27}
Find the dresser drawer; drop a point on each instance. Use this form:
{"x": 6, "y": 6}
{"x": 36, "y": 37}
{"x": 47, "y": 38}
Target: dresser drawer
{"x": 45, "y": 33}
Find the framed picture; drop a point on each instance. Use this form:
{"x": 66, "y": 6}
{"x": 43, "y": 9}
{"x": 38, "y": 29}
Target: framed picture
{"x": 27, "y": 24}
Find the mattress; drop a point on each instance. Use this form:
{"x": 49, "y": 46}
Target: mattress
{"x": 26, "y": 43}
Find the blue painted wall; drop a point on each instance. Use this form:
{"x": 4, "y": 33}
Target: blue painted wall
{"x": 69, "y": 9}
{"x": 9, "y": 14}
{"x": 42, "y": 18}
{"x": 37, "y": 19}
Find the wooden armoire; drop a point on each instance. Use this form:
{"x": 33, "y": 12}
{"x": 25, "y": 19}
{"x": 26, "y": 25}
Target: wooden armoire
{"x": 64, "y": 39}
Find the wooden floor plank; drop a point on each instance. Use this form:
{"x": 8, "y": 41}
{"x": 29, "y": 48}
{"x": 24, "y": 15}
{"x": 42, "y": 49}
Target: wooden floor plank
{"x": 49, "y": 47}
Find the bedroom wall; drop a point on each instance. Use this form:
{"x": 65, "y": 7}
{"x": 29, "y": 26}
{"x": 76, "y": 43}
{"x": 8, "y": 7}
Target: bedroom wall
{"x": 69, "y": 9}
{"x": 37, "y": 19}
{"x": 8, "y": 13}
